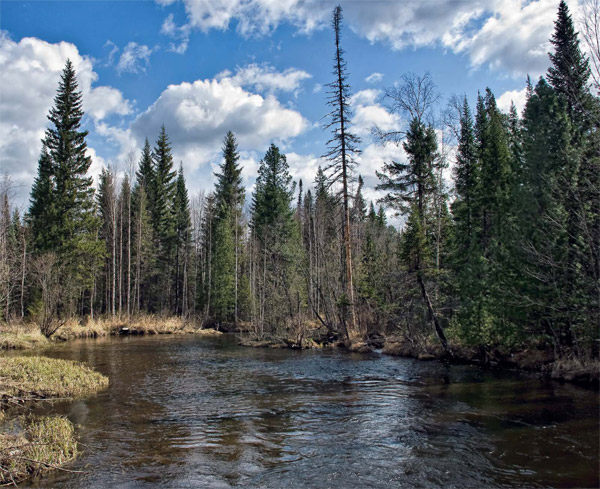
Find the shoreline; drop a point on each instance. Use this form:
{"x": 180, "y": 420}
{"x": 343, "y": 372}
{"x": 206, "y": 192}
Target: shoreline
{"x": 31, "y": 445}
{"x": 542, "y": 363}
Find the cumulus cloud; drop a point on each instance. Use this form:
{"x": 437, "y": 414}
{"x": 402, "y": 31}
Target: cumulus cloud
{"x": 134, "y": 58}
{"x": 29, "y": 74}
{"x": 265, "y": 78}
{"x": 518, "y": 97}
{"x": 368, "y": 113}
{"x": 509, "y": 35}
{"x": 197, "y": 115}
{"x": 515, "y": 38}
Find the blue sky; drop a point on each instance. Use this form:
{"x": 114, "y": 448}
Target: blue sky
{"x": 256, "y": 67}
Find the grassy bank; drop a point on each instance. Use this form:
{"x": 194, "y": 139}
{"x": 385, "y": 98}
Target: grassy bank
{"x": 42, "y": 444}
{"x": 32, "y": 445}
{"x": 31, "y": 378}
{"x": 27, "y": 335}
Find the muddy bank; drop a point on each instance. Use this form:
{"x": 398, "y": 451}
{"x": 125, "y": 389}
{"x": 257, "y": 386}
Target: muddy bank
{"x": 537, "y": 361}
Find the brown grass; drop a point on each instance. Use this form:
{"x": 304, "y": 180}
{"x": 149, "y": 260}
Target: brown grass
{"x": 21, "y": 335}
{"x": 44, "y": 443}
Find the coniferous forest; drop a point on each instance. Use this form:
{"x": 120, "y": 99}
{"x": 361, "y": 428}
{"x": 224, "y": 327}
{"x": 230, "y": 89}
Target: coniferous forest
{"x": 498, "y": 246}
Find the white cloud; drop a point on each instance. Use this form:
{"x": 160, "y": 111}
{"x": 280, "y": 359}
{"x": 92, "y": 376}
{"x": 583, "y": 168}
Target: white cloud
{"x": 509, "y": 35}
{"x": 374, "y": 77}
{"x": 197, "y": 116}
{"x": 304, "y": 167}
{"x": 317, "y": 88}
{"x": 102, "y": 101}
{"x": 29, "y": 74}
{"x": 265, "y": 78}
{"x": 134, "y": 58}
{"x": 368, "y": 113}
{"x": 180, "y": 33}
{"x": 515, "y": 38}
{"x": 518, "y": 97}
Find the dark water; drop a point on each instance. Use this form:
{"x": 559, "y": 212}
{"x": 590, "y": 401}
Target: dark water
{"x": 191, "y": 412}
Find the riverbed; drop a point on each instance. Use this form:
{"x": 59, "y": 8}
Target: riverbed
{"x": 197, "y": 412}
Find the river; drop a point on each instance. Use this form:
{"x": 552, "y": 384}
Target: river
{"x": 198, "y": 412}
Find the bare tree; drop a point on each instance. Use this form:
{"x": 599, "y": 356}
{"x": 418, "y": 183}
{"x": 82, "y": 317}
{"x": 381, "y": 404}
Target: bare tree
{"x": 590, "y": 30}
{"x": 413, "y": 98}
{"x": 49, "y": 275}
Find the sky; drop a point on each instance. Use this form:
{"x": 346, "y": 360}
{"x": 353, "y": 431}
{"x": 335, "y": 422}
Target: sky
{"x": 256, "y": 67}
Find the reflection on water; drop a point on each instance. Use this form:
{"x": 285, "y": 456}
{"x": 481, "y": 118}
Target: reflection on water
{"x": 185, "y": 412}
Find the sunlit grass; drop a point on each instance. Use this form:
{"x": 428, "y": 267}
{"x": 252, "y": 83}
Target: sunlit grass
{"x": 44, "y": 443}
{"x": 41, "y": 378}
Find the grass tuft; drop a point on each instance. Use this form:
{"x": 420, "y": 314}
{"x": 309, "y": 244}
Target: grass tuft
{"x": 45, "y": 443}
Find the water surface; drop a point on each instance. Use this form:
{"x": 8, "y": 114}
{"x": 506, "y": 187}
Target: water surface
{"x": 195, "y": 412}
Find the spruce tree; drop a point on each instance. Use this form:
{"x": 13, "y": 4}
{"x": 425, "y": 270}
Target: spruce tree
{"x": 163, "y": 219}
{"x": 42, "y": 211}
{"x": 570, "y": 72}
{"x": 226, "y": 233}
{"x": 410, "y": 188}
{"x": 183, "y": 233}
{"x": 69, "y": 204}
{"x": 342, "y": 152}
{"x": 146, "y": 174}
{"x": 276, "y": 232}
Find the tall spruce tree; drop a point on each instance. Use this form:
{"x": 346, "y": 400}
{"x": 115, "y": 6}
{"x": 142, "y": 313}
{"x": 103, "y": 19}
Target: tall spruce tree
{"x": 69, "y": 204}
{"x": 276, "y": 232}
{"x": 226, "y": 245}
{"x": 570, "y": 71}
{"x": 163, "y": 219}
{"x": 183, "y": 236}
{"x": 342, "y": 151}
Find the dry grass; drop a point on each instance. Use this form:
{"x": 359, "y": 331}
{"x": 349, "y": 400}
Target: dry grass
{"x": 43, "y": 378}
{"x": 44, "y": 443}
{"x": 27, "y": 335}
{"x": 576, "y": 370}
{"x": 21, "y": 336}
{"x": 37, "y": 444}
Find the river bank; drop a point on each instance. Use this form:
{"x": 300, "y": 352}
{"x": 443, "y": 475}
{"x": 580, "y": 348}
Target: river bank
{"x": 543, "y": 362}
{"x": 27, "y": 335}
{"x": 31, "y": 445}
{"x": 184, "y": 411}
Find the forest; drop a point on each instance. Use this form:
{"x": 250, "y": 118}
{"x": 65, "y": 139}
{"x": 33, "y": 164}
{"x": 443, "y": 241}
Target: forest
{"x": 497, "y": 249}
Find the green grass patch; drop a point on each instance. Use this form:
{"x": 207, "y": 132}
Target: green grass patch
{"x": 45, "y": 378}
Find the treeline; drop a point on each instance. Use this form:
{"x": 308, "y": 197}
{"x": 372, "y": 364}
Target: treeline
{"x": 507, "y": 256}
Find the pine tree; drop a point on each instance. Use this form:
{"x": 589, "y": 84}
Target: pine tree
{"x": 226, "y": 245}
{"x": 42, "y": 212}
{"x": 183, "y": 233}
{"x": 343, "y": 149}
{"x": 69, "y": 205}
{"x": 570, "y": 71}
{"x": 276, "y": 232}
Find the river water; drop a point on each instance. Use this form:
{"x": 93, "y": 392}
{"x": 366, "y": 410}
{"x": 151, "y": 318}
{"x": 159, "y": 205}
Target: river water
{"x": 196, "y": 412}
